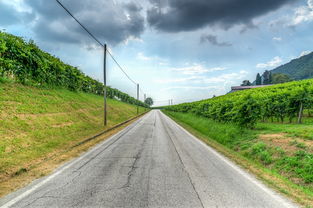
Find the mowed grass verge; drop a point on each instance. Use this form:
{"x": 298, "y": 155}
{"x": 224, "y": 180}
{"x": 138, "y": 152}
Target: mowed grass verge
{"x": 273, "y": 152}
{"x": 37, "y": 125}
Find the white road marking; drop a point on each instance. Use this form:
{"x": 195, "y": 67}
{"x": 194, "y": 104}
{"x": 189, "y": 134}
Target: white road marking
{"x": 235, "y": 167}
{"x": 58, "y": 172}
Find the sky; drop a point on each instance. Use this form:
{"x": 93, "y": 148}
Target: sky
{"x": 184, "y": 50}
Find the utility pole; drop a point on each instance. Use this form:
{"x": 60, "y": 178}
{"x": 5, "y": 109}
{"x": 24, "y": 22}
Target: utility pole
{"x": 144, "y": 97}
{"x": 104, "y": 60}
{"x": 137, "y": 98}
{"x": 105, "y": 83}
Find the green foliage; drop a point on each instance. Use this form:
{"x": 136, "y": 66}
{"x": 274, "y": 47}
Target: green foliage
{"x": 258, "y": 148}
{"x": 249, "y": 106}
{"x": 267, "y": 77}
{"x": 227, "y": 134}
{"x": 280, "y": 78}
{"x": 24, "y": 62}
{"x": 258, "y": 80}
{"x": 297, "y": 166}
{"x": 246, "y": 83}
{"x": 259, "y": 151}
{"x": 149, "y": 101}
{"x": 300, "y": 165}
{"x": 298, "y": 69}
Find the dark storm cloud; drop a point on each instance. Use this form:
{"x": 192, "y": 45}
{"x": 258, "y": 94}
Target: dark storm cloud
{"x": 109, "y": 22}
{"x": 9, "y": 16}
{"x": 186, "y": 15}
{"x": 213, "y": 40}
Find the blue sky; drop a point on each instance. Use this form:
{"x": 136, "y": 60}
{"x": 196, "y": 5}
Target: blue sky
{"x": 183, "y": 50}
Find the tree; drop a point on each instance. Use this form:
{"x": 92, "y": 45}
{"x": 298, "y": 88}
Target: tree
{"x": 258, "y": 80}
{"x": 246, "y": 83}
{"x": 270, "y": 78}
{"x": 280, "y": 78}
{"x": 149, "y": 101}
{"x": 266, "y": 77}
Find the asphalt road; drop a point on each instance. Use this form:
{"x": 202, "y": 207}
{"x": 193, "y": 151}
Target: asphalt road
{"x": 151, "y": 163}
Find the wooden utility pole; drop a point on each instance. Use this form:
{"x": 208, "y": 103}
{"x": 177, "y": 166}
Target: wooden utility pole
{"x": 105, "y": 84}
{"x": 137, "y": 98}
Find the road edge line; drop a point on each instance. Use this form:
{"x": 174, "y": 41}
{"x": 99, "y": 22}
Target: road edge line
{"x": 280, "y": 198}
{"x": 64, "y": 167}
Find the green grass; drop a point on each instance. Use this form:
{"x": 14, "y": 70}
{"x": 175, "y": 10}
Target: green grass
{"x": 293, "y": 161}
{"x": 227, "y": 134}
{"x": 36, "y": 122}
{"x": 304, "y": 130}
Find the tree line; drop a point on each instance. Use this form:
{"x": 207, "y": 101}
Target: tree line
{"x": 279, "y": 102}
{"x": 26, "y": 63}
{"x": 268, "y": 78}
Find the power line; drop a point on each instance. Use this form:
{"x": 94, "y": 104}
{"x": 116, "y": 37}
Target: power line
{"x": 121, "y": 68}
{"x": 107, "y": 50}
{"x": 79, "y": 23}
{"x": 141, "y": 90}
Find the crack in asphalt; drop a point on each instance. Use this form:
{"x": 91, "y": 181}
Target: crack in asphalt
{"x": 137, "y": 157}
{"x": 133, "y": 166}
{"x": 154, "y": 163}
{"x": 49, "y": 191}
{"x": 184, "y": 167}
{"x": 151, "y": 160}
{"x": 121, "y": 135}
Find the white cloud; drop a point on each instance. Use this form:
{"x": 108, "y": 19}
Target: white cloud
{"x": 176, "y": 80}
{"x": 19, "y": 5}
{"x": 273, "y": 63}
{"x": 135, "y": 39}
{"x": 303, "y": 53}
{"x": 143, "y": 57}
{"x": 190, "y": 88}
{"x": 277, "y": 39}
{"x": 197, "y": 69}
{"x": 230, "y": 78}
{"x": 303, "y": 14}
{"x": 161, "y": 61}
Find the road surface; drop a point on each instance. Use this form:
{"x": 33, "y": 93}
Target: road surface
{"x": 151, "y": 163}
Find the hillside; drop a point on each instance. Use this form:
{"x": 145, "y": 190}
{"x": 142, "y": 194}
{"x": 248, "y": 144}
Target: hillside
{"x": 37, "y": 123}
{"x": 298, "y": 69}
{"x": 24, "y": 62}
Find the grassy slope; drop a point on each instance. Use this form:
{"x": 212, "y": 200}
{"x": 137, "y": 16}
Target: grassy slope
{"x": 37, "y": 122}
{"x": 271, "y": 151}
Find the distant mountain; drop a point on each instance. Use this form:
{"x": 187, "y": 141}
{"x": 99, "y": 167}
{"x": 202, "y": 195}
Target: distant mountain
{"x": 297, "y": 69}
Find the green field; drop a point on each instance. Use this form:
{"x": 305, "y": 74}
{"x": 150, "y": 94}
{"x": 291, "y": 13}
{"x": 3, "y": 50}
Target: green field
{"x": 37, "y": 122}
{"x": 285, "y": 150}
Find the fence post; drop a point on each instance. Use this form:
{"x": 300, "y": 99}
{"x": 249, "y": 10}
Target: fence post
{"x": 300, "y": 113}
